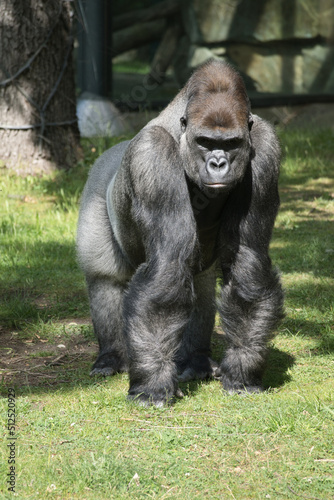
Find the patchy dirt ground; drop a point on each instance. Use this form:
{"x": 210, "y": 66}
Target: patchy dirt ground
{"x": 39, "y": 361}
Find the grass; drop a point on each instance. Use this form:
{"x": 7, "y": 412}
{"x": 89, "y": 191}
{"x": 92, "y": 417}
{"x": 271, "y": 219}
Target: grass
{"x": 78, "y": 438}
{"x": 132, "y": 67}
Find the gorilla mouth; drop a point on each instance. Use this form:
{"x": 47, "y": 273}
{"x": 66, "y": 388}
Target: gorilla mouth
{"x": 215, "y": 185}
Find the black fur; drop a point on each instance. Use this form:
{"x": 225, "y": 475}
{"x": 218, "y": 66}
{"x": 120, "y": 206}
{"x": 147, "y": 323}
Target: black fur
{"x": 196, "y": 189}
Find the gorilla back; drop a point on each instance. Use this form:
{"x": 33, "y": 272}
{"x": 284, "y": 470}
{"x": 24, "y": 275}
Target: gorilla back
{"x": 192, "y": 195}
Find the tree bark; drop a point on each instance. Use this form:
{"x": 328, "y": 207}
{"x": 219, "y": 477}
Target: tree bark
{"x": 38, "y": 125}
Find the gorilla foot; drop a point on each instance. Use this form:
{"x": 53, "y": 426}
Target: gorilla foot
{"x": 158, "y": 399}
{"x": 198, "y": 368}
{"x": 245, "y": 390}
{"x": 235, "y": 387}
{"x": 108, "y": 364}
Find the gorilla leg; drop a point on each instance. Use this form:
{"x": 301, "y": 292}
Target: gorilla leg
{"x": 106, "y": 303}
{"x": 155, "y": 318}
{"x": 251, "y": 306}
{"x": 193, "y": 359}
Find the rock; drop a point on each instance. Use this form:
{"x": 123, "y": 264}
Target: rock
{"x": 98, "y": 117}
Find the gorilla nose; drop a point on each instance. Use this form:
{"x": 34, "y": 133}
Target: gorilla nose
{"x": 218, "y": 165}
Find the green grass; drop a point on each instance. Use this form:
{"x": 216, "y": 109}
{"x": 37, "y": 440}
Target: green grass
{"x": 40, "y": 279}
{"x": 78, "y": 438}
{"x": 136, "y": 67}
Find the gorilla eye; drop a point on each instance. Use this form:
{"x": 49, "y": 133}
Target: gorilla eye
{"x": 206, "y": 143}
{"x": 232, "y": 143}
{"x": 219, "y": 144}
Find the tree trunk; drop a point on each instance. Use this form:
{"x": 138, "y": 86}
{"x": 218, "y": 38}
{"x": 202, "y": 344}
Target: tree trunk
{"x": 38, "y": 124}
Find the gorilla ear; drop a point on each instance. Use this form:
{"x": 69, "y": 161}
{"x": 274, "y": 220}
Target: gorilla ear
{"x": 183, "y": 121}
{"x": 250, "y": 121}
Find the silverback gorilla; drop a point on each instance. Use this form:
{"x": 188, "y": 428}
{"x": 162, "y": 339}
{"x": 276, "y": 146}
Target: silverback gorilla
{"x": 192, "y": 195}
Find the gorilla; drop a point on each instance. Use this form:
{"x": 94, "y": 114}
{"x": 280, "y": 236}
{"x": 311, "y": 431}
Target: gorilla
{"x": 191, "y": 197}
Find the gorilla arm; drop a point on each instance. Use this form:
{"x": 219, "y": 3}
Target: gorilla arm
{"x": 158, "y": 303}
{"x": 252, "y": 300}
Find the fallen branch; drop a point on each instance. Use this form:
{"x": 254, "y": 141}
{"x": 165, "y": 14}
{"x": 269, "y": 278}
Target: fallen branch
{"x": 137, "y": 35}
{"x": 161, "y": 10}
{"x": 164, "y": 53}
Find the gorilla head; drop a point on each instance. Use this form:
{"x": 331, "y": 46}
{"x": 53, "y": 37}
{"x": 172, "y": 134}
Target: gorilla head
{"x": 160, "y": 216}
{"x": 216, "y": 144}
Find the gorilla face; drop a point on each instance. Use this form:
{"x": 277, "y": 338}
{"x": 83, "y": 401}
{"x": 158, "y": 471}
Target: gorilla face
{"x": 216, "y": 144}
{"x": 218, "y": 159}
